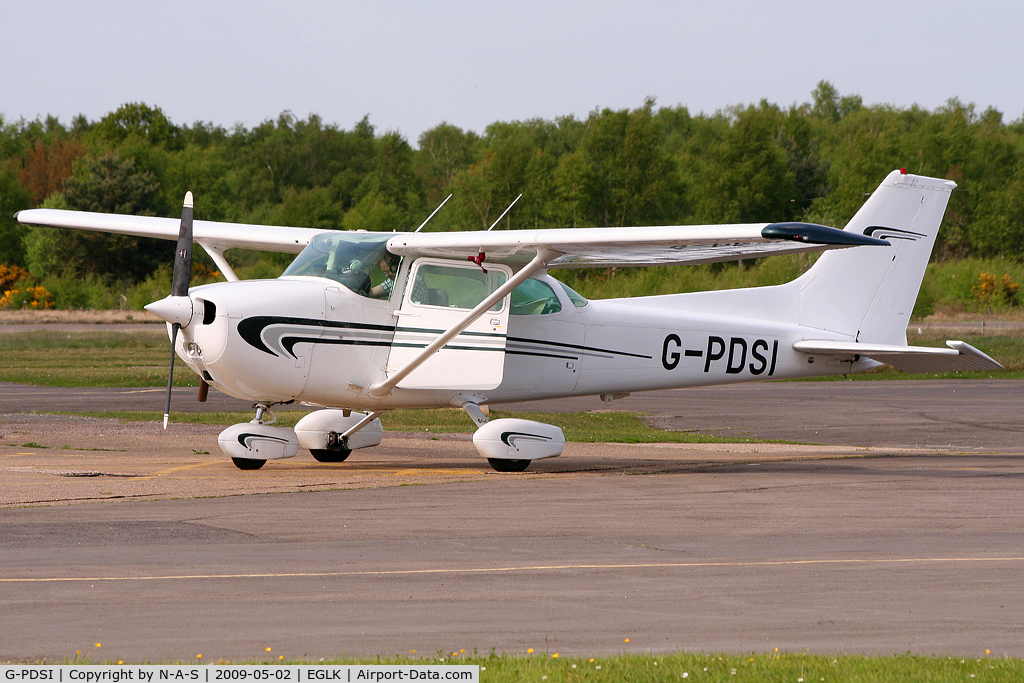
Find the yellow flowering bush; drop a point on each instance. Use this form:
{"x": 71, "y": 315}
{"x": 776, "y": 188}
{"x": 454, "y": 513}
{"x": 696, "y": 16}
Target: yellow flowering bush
{"x": 10, "y": 276}
{"x": 985, "y": 287}
{"x": 15, "y": 297}
{"x": 29, "y": 297}
{"x": 988, "y": 289}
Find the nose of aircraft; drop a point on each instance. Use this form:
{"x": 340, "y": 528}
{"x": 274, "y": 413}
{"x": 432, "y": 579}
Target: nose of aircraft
{"x": 173, "y": 309}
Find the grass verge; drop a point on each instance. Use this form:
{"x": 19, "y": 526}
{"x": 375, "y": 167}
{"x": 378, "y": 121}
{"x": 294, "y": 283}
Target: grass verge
{"x": 704, "y": 668}
{"x": 89, "y": 359}
{"x": 591, "y": 427}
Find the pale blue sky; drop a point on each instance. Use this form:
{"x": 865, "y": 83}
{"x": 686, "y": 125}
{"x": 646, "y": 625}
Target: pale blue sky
{"x": 411, "y": 65}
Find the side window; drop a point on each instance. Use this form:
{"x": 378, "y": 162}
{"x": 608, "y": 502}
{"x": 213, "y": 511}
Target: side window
{"x": 533, "y": 297}
{"x": 577, "y": 300}
{"x": 454, "y": 286}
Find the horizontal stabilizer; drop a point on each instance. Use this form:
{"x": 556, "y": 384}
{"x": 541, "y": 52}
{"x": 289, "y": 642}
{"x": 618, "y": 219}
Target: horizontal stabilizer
{"x": 914, "y": 359}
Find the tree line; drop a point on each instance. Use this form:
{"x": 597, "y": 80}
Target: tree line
{"x": 646, "y": 166}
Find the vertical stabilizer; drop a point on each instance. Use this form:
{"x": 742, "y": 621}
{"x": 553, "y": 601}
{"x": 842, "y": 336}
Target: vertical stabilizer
{"x": 868, "y": 293}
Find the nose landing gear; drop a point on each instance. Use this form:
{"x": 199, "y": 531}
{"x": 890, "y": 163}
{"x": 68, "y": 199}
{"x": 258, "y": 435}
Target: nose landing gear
{"x": 251, "y": 444}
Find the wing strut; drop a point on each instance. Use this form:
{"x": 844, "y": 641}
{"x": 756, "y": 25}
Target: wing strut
{"x": 382, "y": 389}
{"x": 216, "y": 252}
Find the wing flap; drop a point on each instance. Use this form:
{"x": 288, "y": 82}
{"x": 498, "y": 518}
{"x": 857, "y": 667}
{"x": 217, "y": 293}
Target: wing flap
{"x": 913, "y": 359}
{"x": 653, "y": 245}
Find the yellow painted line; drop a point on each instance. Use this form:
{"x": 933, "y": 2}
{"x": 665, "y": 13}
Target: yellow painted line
{"x": 535, "y": 568}
{"x": 193, "y": 466}
{"x": 414, "y": 472}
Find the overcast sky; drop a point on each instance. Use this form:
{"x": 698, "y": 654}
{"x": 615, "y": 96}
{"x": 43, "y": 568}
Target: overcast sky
{"x": 411, "y": 65}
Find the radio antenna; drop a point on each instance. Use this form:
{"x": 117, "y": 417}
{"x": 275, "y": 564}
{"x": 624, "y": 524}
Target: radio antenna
{"x": 505, "y": 211}
{"x": 432, "y": 215}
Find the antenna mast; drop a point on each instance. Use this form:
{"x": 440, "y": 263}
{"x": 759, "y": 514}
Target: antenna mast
{"x": 432, "y": 215}
{"x": 505, "y": 211}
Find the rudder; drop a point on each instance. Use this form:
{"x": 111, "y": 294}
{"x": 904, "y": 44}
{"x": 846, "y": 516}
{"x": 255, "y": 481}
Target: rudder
{"x": 868, "y": 293}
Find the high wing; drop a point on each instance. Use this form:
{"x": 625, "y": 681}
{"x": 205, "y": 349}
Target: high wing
{"x": 639, "y": 246}
{"x": 576, "y": 247}
{"x": 225, "y": 235}
{"x": 214, "y": 237}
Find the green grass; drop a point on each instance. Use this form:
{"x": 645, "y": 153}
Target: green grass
{"x": 743, "y": 668}
{"x": 589, "y": 427}
{"x": 553, "y": 667}
{"x": 89, "y": 359}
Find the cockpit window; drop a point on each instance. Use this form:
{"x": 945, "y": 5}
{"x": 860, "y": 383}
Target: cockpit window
{"x": 533, "y": 297}
{"x": 351, "y": 259}
{"x": 454, "y": 285}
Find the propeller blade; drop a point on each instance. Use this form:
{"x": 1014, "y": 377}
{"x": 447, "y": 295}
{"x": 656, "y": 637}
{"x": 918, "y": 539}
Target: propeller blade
{"x": 183, "y": 253}
{"x": 179, "y": 284}
{"x": 170, "y": 375}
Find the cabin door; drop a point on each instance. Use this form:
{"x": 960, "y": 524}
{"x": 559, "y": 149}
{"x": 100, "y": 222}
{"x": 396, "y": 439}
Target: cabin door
{"x": 438, "y": 294}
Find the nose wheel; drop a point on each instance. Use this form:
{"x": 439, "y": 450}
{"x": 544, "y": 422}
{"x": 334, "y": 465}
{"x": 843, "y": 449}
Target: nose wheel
{"x": 248, "y": 463}
{"x": 324, "y": 455}
{"x": 504, "y": 465}
{"x": 251, "y": 444}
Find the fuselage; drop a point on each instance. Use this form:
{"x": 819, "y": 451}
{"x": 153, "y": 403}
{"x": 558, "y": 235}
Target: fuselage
{"x": 313, "y": 340}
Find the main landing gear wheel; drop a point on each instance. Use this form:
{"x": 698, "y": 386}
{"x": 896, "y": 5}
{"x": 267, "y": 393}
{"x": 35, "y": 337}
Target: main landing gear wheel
{"x": 324, "y": 455}
{"x": 503, "y": 465}
{"x": 248, "y": 463}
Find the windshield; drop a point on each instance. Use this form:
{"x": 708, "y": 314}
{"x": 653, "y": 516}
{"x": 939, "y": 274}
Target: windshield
{"x": 351, "y": 259}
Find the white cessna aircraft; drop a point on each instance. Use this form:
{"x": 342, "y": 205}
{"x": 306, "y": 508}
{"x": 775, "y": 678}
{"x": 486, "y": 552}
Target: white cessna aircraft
{"x": 364, "y": 321}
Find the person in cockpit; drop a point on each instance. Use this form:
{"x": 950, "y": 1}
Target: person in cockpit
{"x": 389, "y": 265}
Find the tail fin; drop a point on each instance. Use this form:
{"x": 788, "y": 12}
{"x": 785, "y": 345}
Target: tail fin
{"x": 868, "y": 293}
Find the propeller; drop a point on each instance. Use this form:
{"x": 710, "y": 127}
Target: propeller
{"x": 177, "y": 308}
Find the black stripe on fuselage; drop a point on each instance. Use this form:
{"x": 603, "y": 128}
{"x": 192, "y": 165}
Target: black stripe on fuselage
{"x": 251, "y": 330}
{"x": 577, "y": 347}
{"x": 513, "y": 352}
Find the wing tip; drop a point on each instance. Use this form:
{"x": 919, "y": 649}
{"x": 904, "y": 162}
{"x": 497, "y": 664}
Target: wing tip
{"x": 811, "y": 233}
